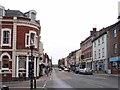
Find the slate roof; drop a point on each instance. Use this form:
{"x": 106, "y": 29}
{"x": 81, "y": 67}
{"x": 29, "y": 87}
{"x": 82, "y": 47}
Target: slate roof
{"x": 16, "y": 13}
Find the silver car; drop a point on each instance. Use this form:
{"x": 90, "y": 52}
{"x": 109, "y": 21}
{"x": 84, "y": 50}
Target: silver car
{"x": 86, "y": 71}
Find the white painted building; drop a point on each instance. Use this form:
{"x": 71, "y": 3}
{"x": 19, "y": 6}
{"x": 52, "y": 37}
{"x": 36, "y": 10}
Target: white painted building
{"x": 100, "y": 51}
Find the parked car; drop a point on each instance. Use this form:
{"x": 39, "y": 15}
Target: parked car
{"x": 65, "y": 69}
{"x": 77, "y": 70}
{"x": 86, "y": 71}
{"x": 81, "y": 71}
{"x": 60, "y": 69}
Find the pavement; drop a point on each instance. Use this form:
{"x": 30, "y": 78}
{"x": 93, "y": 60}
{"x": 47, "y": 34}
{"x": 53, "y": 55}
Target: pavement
{"x": 109, "y": 75}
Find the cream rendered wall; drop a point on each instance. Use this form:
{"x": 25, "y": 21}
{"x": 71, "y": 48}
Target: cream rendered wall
{"x": 65, "y": 61}
{"x": 41, "y": 50}
{"x": 78, "y": 54}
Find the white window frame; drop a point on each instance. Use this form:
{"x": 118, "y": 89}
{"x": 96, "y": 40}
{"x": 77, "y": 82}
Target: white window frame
{"x": 5, "y": 54}
{"x": 6, "y": 29}
{"x": 36, "y": 41}
{"x": 103, "y": 52}
{"x": 99, "y": 54}
{"x": 115, "y": 33}
{"x": 115, "y": 46}
{"x": 27, "y": 35}
{"x": 34, "y": 37}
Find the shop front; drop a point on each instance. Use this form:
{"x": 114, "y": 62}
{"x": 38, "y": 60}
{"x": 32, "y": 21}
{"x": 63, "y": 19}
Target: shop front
{"x": 114, "y": 65}
{"x": 100, "y": 66}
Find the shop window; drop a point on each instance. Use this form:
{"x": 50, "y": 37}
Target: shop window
{"x": 114, "y": 66}
{"x": 118, "y": 65}
{"x": 22, "y": 62}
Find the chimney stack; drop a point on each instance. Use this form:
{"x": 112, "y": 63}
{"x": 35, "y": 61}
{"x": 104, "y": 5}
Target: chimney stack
{"x": 93, "y": 31}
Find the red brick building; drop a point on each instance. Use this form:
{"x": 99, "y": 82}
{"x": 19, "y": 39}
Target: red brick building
{"x": 17, "y": 32}
{"x": 86, "y": 49}
{"x": 114, "y": 48}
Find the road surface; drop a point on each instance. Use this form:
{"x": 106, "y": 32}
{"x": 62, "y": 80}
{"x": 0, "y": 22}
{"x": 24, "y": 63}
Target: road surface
{"x": 64, "y": 79}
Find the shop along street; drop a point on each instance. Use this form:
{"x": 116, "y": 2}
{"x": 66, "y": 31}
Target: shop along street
{"x": 65, "y": 79}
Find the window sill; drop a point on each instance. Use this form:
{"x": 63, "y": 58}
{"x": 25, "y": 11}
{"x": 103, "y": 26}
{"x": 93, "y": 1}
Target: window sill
{"x": 6, "y": 45}
{"x": 5, "y": 68}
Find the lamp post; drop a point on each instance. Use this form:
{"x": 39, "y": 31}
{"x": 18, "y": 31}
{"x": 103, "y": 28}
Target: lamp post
{"x": 31, "y": 67}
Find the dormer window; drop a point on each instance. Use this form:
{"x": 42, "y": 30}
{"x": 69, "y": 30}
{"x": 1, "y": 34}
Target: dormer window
{"x": 32, "y": 14}
{"x": 2, "y": 11}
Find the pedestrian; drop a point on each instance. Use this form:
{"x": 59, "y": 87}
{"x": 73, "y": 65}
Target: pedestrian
{"x": 50, "y": 70}
{"x": 46, "y": 71}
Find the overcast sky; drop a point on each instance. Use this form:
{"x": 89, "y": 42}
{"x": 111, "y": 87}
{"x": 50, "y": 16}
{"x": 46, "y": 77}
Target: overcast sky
{"x": 65, "y": 23}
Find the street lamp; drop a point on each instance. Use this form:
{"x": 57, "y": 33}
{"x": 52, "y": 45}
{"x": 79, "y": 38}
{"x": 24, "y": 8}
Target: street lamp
{"x": 32, "y": 69}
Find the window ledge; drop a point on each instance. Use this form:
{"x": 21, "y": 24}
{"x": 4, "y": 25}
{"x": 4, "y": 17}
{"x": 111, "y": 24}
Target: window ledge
{"x": 5, "y": 68}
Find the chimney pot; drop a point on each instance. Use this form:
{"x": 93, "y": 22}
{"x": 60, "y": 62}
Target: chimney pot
{"x": 94, "y": 29}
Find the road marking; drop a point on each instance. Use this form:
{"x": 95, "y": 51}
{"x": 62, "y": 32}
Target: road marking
{"x": 23, "y": 87}
{"x": 45, "y": 84}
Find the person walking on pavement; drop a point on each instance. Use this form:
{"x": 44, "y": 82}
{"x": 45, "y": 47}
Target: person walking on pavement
{"x": 46, "y": 71}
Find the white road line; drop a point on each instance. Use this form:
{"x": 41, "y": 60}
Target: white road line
{"x": 45, "y": 84}
{"x": 24, "y": 87}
